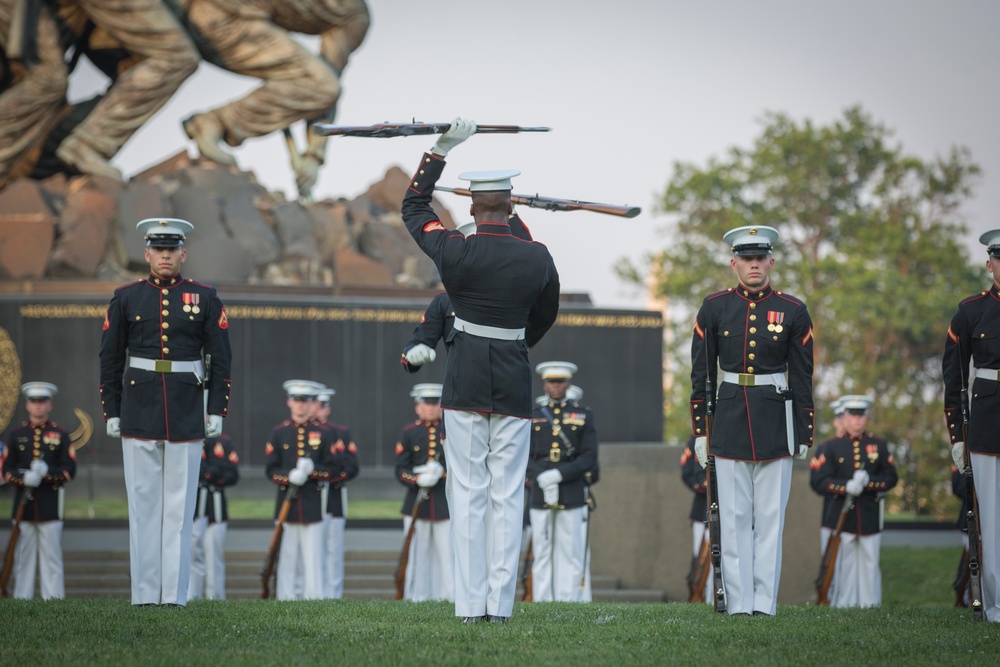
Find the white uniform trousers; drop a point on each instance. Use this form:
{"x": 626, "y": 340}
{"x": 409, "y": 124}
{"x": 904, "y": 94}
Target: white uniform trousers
{"x": 300, "y": 562}
{"x": 487, "y": 458}
{"x": 333, "y": 560}
{"x": 558, "y": 552}
{"x": 428, "y": 568}
{"x": 208, "y": 560}
{"x": 986, "y": 474}
{"x": 161, "y": 480}
{"x": 39, "y": 546}
{"x": 699, "y": 532}
{"x": 859, "y": 580}
{"x": 752, "y": 500}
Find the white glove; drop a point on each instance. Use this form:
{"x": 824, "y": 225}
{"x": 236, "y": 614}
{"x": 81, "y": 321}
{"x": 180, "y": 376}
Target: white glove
{"x": 420, "y": 354}
{"x": 297, "y": 476}
{"x": 420, "y": 469}
{"x": 803, "y": 452}
{"x": 213, "y": 429}
{"x": 426, "y": 479}
{"x": 701, "y": 450}
{"x": 460, "y": 130}
{"x": 958, "y": 455}
{"x": 551, "y": 494}
{"x": 41, "y": 467}
{"x": 433, "y": 468}
{"x": 31, "y": 478}
{"x": 306, "y": 465}
{"x": 854, "y": 487}
{"x": 114, "y": 427}
{"x": 548, "y": 479}
{"x": 861, "y": 476}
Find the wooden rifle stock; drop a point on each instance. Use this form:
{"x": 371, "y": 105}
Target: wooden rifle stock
{"x": 701, "y": 565}
{"x": 553, "y": 204}
{"x": 387, "y": 130}
{"x": 271, "y": 559}
{"x": 15, "y": 533}
{"x": 526, "y": 578}
{"x": 404, "y": 554}
{"x": 961, "y": 583}
{"x": 829, "y": 563}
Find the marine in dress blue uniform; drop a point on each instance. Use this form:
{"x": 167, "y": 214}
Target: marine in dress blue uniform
{"x": 762, "y": 340}
{"x": 421, "y": 468}
{"x": 564, "y": 451}
{"x": 154, "y": 393}
{"x": 858, "y": 464}
{"x": 974, "y": 335}
{"x": 343, "y": 468}
{"x": 298, "y": 459}
{"x": 505, "y": 293}
{"x": 219, "y": 471}
{"x": 40, "y": 462}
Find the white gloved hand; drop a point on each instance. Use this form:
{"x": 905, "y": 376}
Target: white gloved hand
{"x": 958, "y": 455}
{"x": 31, "y": 478}
{"x": 306, "y": 465}
{"x": 551, "y": 494}
{"x": 862, "y": 476}
{"x": 297, "y": 476}
{"x": 549, "y": 478}
{"x": 114, "y": 427}
{"x": 460, "y": 130}
{"x": 433, "y": 468}
{"x": 41, "y": 467}
{"x": 701, "y": 450}
{"x": 419, "y": 469}
{"x": 803, "y": 452}
{"x": 213, "y": 429}
{"x": 426, "y": 479}
{"x": 854, "y": 487}
{"x": 420, "y": 354}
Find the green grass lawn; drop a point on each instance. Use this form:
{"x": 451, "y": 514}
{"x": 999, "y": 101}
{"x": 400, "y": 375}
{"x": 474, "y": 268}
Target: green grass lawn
{"x": 239, "y": 508}
{"x": 916, "y": 626}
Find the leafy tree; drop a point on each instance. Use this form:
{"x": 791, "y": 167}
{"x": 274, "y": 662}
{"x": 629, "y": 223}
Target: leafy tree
{"x": 871, "y": 240}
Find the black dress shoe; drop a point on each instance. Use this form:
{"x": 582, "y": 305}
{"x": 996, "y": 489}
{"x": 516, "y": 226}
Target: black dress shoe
{"x": 740, "y": 613}
{"x": 469, "y": 620}
{"x": 760, "y": 613}
{"x": 498, "y": 619}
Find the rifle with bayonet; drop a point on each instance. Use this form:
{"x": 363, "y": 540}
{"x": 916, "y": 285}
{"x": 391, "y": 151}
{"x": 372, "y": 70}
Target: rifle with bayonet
{"x": 971, "y": 508}
{"x": 714, "y": 519}
{"x": 388, "y": 130}
{"x": 15, "y": 533}
{"x": 404, "y": 553}
{"x": 271, "y": 559}
{"x": 553, "y": 204}
{"x": 828, "y": 565}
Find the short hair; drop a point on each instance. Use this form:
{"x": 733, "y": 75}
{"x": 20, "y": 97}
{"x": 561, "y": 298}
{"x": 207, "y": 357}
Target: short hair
{"x": 492, "y": 201}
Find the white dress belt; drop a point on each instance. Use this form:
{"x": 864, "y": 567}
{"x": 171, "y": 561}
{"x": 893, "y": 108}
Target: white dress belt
{"x": 756, "y": 380}
{"x": 988, "y": 374}
{"x": 167, "y": 366}
{"x": 484, "y": 331}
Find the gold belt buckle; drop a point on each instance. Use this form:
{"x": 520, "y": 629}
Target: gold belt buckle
{"x": 161, "y": 366}
{"x": 747, "y": 380}
{"x": 555, "y": 455}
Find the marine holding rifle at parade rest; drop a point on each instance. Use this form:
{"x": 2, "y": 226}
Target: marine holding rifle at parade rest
{"x": 563, "y": 457}
{"x": 974, "y": 335}
{"x": 299, "y": 458}
{"x": 857, "y": 464}
{"x": 41, "y": 462}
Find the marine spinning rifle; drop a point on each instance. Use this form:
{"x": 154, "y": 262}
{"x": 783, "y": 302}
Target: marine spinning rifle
{"x": 553, "y": 204}
{"x": 388, "y": 130}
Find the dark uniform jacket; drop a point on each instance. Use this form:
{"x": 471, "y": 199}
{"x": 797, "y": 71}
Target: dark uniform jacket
{"x": 693, "y": 476}
{"x": 493, "y": 279}
{"x": 576, "y": 461}
{"x": 49, "y": 442}
{"x": 219, "y": 469}
{"x": 178, "y": 320}
{"x": 975, "y": 333}
{"x": 288, "y": 442}
{"x": 343, "y": 468}
{"x": 420, "y": 442}
{"x": 837, "y": 463}
{"x": 732, "y": 331}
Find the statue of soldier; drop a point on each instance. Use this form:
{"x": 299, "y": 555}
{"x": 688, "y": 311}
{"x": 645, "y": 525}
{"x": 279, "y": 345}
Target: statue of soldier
{"x": 253, "y": 38}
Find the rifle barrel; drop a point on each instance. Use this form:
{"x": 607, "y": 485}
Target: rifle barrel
{"x": 388, "y": 130}
{"x": 554, "y": 204}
